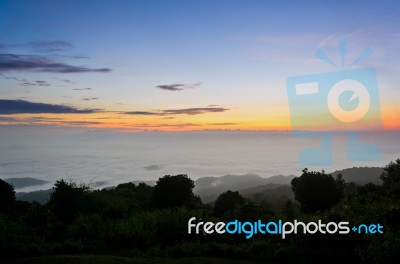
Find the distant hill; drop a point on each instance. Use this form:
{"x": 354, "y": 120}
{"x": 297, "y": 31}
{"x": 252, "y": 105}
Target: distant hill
{"x": 37, "y": 196}
{"x": 361, "y": 175}
{"x": 24, "y": 182}
{"x": 276, "y": 197}
{"x": 208, "y": 188}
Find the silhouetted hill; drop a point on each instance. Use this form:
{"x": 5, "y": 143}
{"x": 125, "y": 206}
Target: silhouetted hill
{"x": 280, "y": 179}
{"x": 260, "y": 188}
{"x": 361, "y": 175}
{"x": 41, "y": 196}
{"x": 208, "y": 188}
{"x": 24, "y": 182}
{"x": 275, "y": 197}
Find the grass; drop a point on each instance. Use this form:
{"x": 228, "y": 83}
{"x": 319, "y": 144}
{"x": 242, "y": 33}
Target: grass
{"x": 122, "y": 260}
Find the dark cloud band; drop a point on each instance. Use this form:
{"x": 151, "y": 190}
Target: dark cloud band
{"x": 9, "y": 107}
{"x": 185, "y": 111}
{"x": 14, "y": 62}
{"x": 178, "y": 86}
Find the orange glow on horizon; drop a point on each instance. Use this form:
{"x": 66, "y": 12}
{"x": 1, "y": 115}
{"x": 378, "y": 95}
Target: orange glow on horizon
{"x": 245, "y": 119}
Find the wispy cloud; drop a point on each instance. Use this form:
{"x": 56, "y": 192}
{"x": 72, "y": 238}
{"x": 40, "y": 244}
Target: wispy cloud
{"x": 49, "y": 46}
{"x": 178, "y": 86}
{"x": 222, "y": 124}
{"x": 152, "y": 167}
{"x": 9, "y": 107}
{"x": 179, "y": 125}
{"x": 34, "y": 83}
{"x": 90, "y": 99}
{"x": 146, "y": 113}
{"x": 6, "y": 119}
{"x": 25, "y": 82}
{"x": 44, "y": 121}
{"x": 195, "y": 111}
{"x": 82, "y": 89}
{"x": 184, "y": 111}
{"x": 35, "y": 63}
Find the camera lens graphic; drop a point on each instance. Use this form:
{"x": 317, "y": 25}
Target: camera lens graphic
{"x": 358, "y": 93}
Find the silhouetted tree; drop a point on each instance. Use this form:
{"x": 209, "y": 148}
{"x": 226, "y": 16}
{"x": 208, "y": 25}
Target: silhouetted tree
{"x": 391, "y": 176}
{"x": 227, "y": 202}
{"x": 143, "y": 195}
{"x": 174, "y": 191}
{"x": 7, "y": 197}
{"x": 68, "y": 200}
{"x": 317, "y": 190}
{"x": 289, "y": 209}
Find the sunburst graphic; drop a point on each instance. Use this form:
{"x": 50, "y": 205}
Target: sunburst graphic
{"x": 343, "y": 50}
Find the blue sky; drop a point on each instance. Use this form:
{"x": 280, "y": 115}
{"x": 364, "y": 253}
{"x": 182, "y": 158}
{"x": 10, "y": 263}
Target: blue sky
{"x": 225, "y": 62}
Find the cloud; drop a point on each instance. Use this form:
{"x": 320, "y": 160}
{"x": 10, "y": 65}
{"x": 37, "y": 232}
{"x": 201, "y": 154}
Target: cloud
{"x": 195, "y": 111}
{"x": 6, "y": 119}
{"x": 178, "y": 86}
{"x": 49, "y": 46}
{"x": 14, "y": 62}
{"x": 44, "y": 121}
{"x": 26, "y": 82}
{"x": 167, "y": 125}
{"x": 82, "y": 89}
{"x": 184, "y": 111}
{"x": 81, "y": 123}
{"x": 152, "y": 167}
{"x": 222, "y": 124}
{"x": 180, "y": 125}
{"x": 90, "y": 99}
{"x": 34, "y": 83}
{"x": 9, "y": 107}
{"x": 142, "y": 113}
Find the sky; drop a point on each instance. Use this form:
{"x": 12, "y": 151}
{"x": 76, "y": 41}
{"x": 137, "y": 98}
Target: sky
{"x": 188, "y": 65}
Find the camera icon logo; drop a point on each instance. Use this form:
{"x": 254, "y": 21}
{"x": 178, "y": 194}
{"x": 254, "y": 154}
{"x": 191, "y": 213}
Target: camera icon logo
{"x": 324, "y": 104}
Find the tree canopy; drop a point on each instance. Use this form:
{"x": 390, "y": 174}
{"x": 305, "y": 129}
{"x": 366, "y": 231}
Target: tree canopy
{"x": 68, "y": 199}
{"x": 227, "y": 202}
{"x": 7, "y": 196}
{"x": 391, "y": 176}
{"x": 174, "y": 191}
{"x": 317, "y": 190}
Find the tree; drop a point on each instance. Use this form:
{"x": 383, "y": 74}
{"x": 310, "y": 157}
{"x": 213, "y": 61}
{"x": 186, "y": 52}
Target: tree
{"x": 7, "y": 197}
{"x": 68, "y": 200}
{"x": 391, "y": 176}
{"x": 227, "y": 202}
{"x": 174, "y": 191}
{"x": 317, "y": 190}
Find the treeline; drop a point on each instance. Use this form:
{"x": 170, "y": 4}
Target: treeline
{"x": 141, "y": 220}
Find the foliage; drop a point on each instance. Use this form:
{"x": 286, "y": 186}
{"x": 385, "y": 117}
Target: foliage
{"x": 68, "y": 200}
{"x": 317, "y": 190}
{"x": 175, "y": 191}
{"x": 7, "y": 196}
{"x": 227, "y": 202}
{"x": 391, "y": 176}
{"x": 132, "y": 222}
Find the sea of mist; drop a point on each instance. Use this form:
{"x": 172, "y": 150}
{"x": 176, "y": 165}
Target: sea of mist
{"x": 105, "y": 158}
